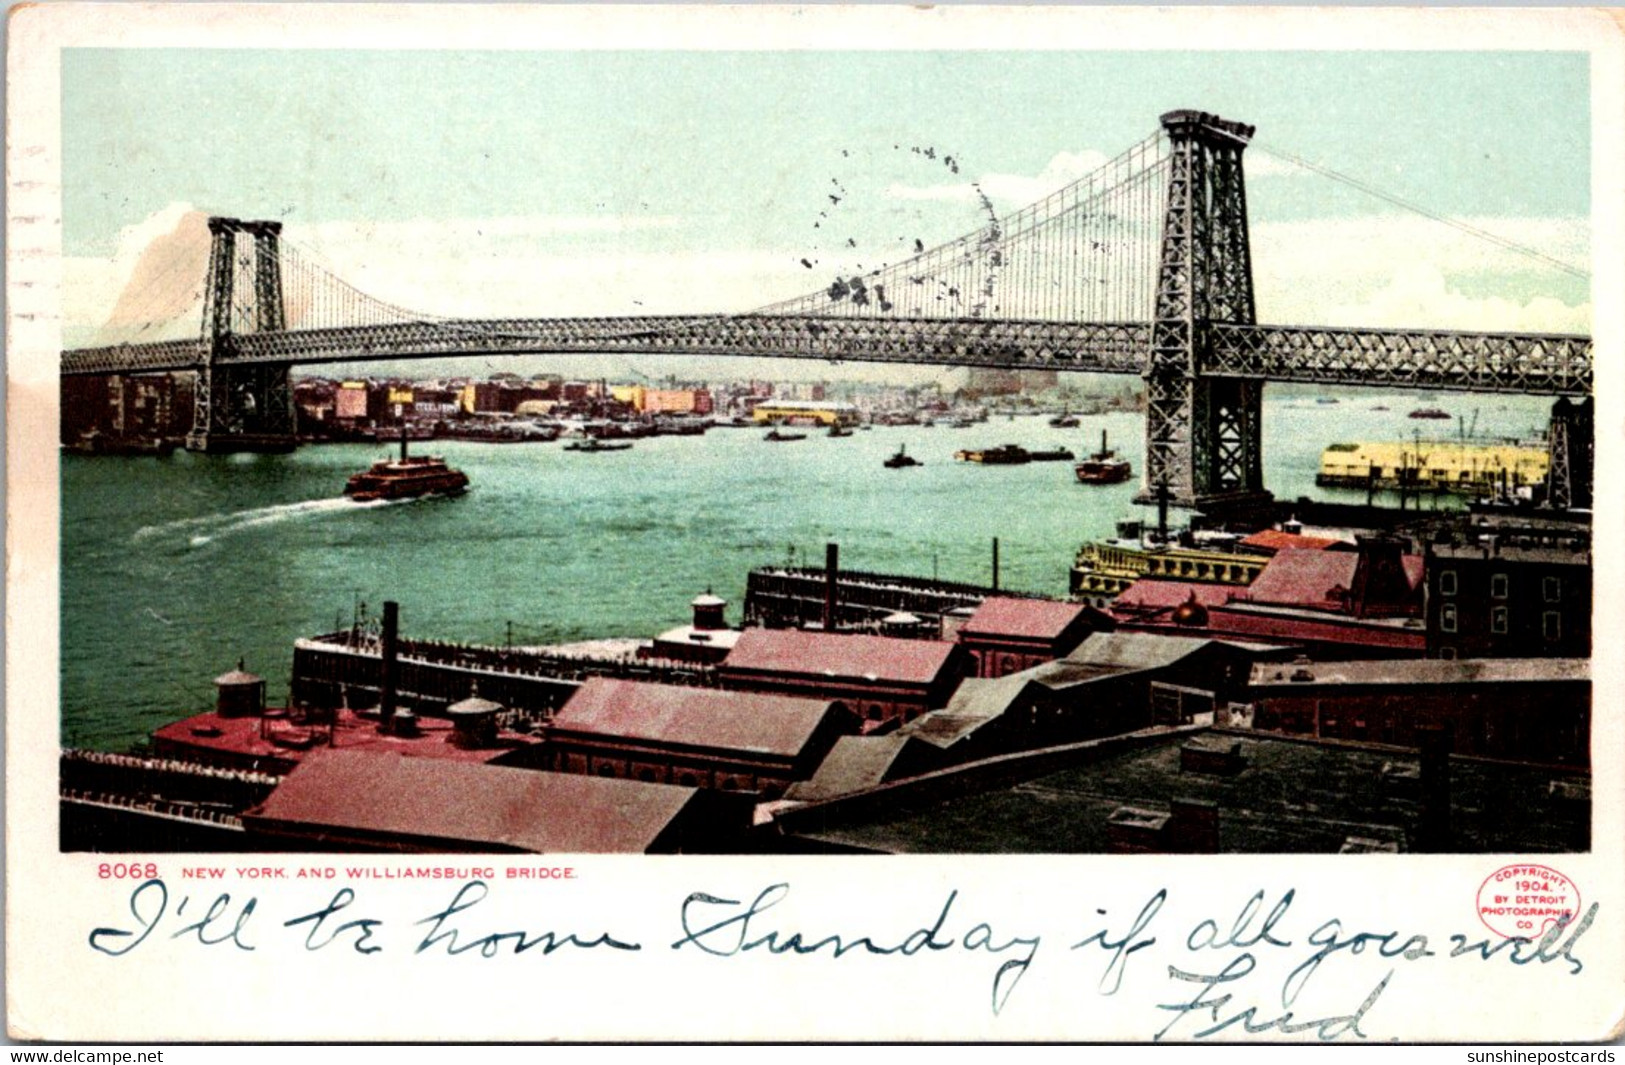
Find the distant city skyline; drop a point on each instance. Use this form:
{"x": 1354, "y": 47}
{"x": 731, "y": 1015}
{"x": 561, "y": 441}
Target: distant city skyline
{"x": 563, "y": 183}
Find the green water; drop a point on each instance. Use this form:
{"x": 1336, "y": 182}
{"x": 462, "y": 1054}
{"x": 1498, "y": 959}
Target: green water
{"x": 173, "y": 569}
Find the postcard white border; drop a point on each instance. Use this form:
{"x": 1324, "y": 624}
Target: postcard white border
{"x": 59, "y": 989}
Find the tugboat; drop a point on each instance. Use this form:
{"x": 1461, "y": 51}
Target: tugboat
{"x": 1428, "y": 412}
{"x": 838, "y": 430}
{"x": 593, "y": 446}
{"x": 776, "y": 436}
{"x": 1064, "y": 420}
{"x": 1103, "y": 467}
{"x": 407, "y": 477}
{"x": 901, "y": 460}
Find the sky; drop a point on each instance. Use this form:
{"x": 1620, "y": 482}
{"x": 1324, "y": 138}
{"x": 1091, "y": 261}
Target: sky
{"x": 561, "y": 183}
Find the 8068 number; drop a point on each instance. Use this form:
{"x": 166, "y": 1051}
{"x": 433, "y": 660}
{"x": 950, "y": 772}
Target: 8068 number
{"x": 127, "y": 870}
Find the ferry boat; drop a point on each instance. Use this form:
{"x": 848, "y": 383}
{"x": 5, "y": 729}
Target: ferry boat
{"x": 1104, "y": 466}
{"x": 1104, "y": 569}
{"x": 406, "y": 477}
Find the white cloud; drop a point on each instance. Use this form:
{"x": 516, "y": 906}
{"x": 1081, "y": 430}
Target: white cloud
{"x": 1396, "y": 272}
{"x": 1379, "y": 272}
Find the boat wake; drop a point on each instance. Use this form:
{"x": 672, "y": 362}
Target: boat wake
{"x": 205, "y": 529}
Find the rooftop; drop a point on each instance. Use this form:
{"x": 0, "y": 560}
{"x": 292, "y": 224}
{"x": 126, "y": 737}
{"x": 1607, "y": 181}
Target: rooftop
{"x": 840, "y": 655}
{"x": 432, "y": 802}
{"x": 1291, "y": 797}
{"x": 1320, "y": 579}
{"x": 1133, "y": 650}
{"x": 1037, "y": 619}
{"x": 1425, "y": 671}
{"x": 695, "y": 717}
{"x": 853, "y": 764}
{"x": 1276, "y": 540}
{"x": 281, "y": 743}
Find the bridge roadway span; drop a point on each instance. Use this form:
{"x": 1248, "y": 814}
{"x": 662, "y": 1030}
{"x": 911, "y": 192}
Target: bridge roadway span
{"x": 1530, "y": 363}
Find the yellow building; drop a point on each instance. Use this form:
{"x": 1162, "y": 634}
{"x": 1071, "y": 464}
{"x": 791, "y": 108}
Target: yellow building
{"x": 1446, "y": 466}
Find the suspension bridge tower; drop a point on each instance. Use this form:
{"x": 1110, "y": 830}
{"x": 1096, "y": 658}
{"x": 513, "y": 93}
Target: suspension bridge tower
{"x": 242, "y": 407}
{"x": 1203, "y": 432}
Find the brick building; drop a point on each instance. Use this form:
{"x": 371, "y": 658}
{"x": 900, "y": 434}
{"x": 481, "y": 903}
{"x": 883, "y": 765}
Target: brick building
{"x": 1495, "y": 599}
{"x": 693, "y": 737}
{"x": 884, "y": 680}
{"x": 1006, "y": 634}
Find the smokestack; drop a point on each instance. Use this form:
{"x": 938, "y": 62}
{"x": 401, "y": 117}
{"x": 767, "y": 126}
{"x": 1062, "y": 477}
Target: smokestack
{"x": 995, "y": 563}
{"x": 1434, "y": 830}
{"x": 1193, "y": 827}
{"x": 832, "y": 567}
{"x": 391, "y": 648}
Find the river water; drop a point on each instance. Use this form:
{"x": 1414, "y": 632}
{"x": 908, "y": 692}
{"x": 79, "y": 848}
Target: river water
{"x": 174, "y": 568}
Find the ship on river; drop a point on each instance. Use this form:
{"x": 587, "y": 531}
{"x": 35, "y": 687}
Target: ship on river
{"x": 406, "y": 477}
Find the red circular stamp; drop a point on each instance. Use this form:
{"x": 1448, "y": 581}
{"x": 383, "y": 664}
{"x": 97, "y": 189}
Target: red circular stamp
{"x": 1525, "y": 900}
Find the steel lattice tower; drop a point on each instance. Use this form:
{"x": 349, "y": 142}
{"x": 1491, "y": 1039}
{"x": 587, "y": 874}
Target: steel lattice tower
{"x": 1202, "y": 433}
{"x": 242, "y": 407}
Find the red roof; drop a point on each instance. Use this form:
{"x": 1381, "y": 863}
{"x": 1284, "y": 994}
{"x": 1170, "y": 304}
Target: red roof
{"x": 695, "y": 717}
{"x": 425, "y": 800}
{"x": 275, "y": 745}
{"x": 838, "y": 655}
{"x": 1034, "y": 619}
{"x": 1276, "y": 540}
{"x": 1291, "y": 630}
{"x": 1309, "y": 578}
{"x": 1151, "y": 594}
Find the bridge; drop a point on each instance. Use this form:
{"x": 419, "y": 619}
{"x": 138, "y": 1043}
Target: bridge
{"x": 1142, "y": 267}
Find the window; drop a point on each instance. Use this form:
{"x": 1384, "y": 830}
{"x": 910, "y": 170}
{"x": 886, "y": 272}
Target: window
{"x": 1552, "y": 624}
{"x": 1498, "y": 586}
{"x": 1498, "y": 620}
{"x": 1447, "y": 652}
{"x": 1447, "y": 618}
{"x": 1553, "y": 589}
{"x": 1447, "y": 582}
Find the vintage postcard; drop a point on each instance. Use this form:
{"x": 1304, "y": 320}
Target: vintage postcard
{"x": 828, "y": 523}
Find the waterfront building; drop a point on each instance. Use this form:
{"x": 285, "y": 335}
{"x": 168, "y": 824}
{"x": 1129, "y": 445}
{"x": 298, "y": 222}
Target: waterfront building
{"x": 1222, "y": 613}
{"x": 1006, "y": 634}
{"x": 1110, "y": 685}
{"x": 1341, "y": 604}
{"x": 695, "y": 737}
{"x": 884, "y": 680}
{"x": 1434, "y": 465}
{"x": 1525, "y": 710}
{"x": 1509, "y": 595}
{"x": 343, "y": 801}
